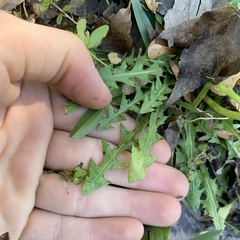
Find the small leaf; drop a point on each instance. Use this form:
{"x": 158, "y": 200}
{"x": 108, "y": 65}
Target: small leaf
{"x": 67, "y": 8}
{"x": 156, "y": 97}
{"x": 235, "y": 3}
{"x": 93, "y": 183}
{"x": 59, "y": 19}
{"x": 126, "y": 105}
{"x": 82, "y": 33}
{"x": 194, "y": 195}
{"x": 97, "y": 36}
{"x": 79, "y": 175}
{"x": 87, "y": 123}
{"x": 223, "y": 213}
{"x": 157, "y": 233}
{"x": 43, "y": 8}
{"x": 141, "y": 157}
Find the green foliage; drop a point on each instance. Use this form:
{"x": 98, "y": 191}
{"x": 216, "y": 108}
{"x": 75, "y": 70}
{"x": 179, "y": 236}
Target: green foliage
{"x": 235, "y": 3}
{"x": 141, "y": 157}
{"x": 204, "y": 190}
{"x": 77, "y": 175}
{"x": 143, "y": 22}
{"x": 65, "y": 9}
{"x": 141, "y": 68}
{"x": 210, "y": 235}
{"x": 45, "y": 4}
{"x": 126, "y": 105}
{"x": 95, "y": 178}
{"x": 195, "y": 192}
{"x": 157, "y": 233}
{"x": 156, "y": 97}
{"x": 94, "y": 39}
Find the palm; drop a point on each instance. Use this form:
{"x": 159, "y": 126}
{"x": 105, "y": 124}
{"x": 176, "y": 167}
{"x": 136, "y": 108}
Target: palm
{"x": 26, "y": 130}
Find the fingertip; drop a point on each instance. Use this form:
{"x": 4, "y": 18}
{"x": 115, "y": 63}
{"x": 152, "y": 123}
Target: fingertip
{"x": 162, "y": 151}
{"x": 173, "y": 212}
{"x": 183, "y": 186}
{"x": 80, "y": 80}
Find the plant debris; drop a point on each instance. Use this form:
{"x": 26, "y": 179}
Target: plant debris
{"x": 205, "y": 59}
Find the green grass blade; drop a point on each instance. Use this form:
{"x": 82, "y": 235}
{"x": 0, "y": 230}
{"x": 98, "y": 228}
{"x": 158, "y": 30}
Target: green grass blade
{"x": 144, "y": 25}
{"x": 87, "y": 123}
{"x": 211, "y": 235}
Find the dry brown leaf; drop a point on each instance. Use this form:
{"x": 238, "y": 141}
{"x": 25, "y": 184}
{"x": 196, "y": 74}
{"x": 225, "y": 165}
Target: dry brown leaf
{"x": 183, "y": 11}
{"x": 230, "y": 82}
{"x": 164, "y": 6}
{"x": 155, "y": 50}
{"x": 217, "y": 49}
{"x": 211, "y": 22}
{"x": 235, "y": 104}
{"x": 152, "y": 5}
{"x": 174, "y": 67}
{"x": 9, "y": 5}
{"x": 118, "y": 38}
{"x": 114, "y": 58}
{"x": 224, "y": 134}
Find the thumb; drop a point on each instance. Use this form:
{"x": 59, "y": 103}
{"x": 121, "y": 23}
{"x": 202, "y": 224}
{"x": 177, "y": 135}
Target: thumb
{"x": 36, "y": 53}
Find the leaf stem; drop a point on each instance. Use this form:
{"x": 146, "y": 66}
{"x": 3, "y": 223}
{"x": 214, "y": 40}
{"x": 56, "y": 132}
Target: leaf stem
{"x": 217, "y": 108}
{"x": 229, "y": 92}
{"x": 201, "y": 95}
{"x": 65, "y": 14}
{"x": 97, "y": 59}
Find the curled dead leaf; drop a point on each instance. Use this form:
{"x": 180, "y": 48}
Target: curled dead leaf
{"x": 235, "y": 104}
{"x": 156, "y": 50}
{"x": 209, "y": 23}
{"x": 217, "y": 51}
{"x": 181, "y": 14}
{"x": 174, "y": 68}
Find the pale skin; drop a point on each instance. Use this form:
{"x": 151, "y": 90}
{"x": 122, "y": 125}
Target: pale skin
{"x": 36, "y": 65}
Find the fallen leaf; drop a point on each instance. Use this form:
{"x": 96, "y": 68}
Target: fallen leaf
{"x": 118, "y": 38}
{"x": 9, "y": 5}
{"x": 152, "y": 5}
{"x": 230, "y": 82}
{"x": 184, "y": 34}
{"x": 164, "y": 6}
{"x": 235, "y": 104}
{"x": 184, "y": 10}
{"x": 114, "y": 58}
{"x": 174, "y": 67}
{"x": 156, "y": 50}
{"x": 217, "y": 50}
{"x": 224, "y": 134}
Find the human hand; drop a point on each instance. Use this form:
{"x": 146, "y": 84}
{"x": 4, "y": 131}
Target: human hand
{"x": 34, "y": 129}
